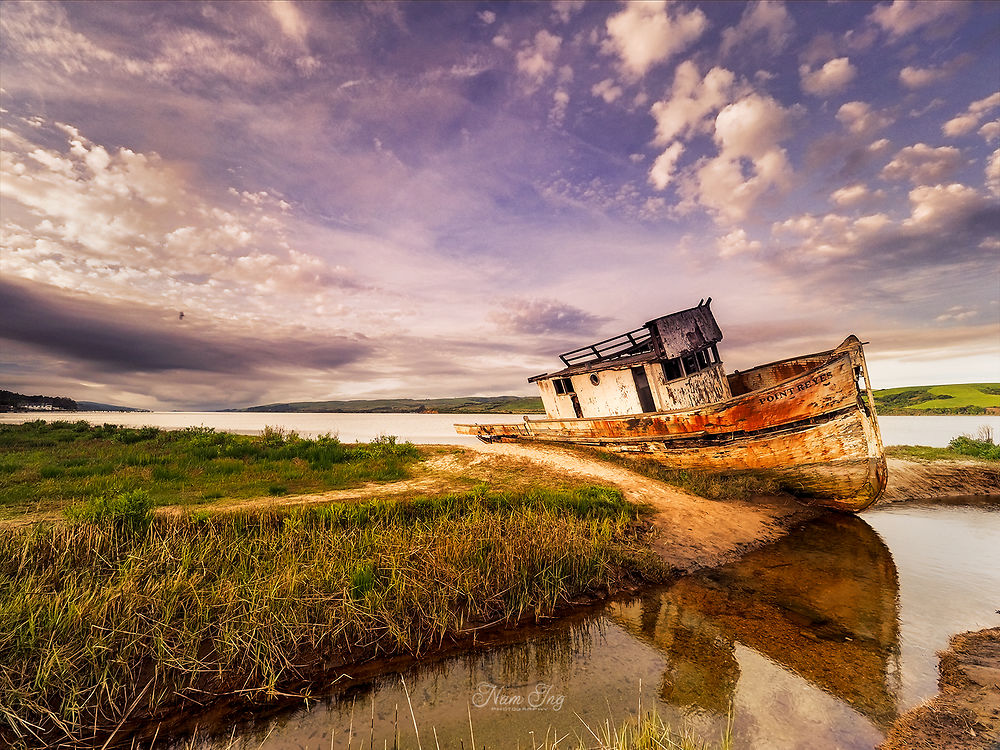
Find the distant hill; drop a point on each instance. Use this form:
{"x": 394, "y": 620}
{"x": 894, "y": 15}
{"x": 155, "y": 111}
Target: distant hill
{"x": 11, "y": 401}
{"x": 98, "y": 406}
{"x": 462, "y": 405}
{"x": 958, "y": 398}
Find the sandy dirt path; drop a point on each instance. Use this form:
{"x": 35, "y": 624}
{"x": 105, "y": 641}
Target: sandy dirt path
{"x": 693, "y": 532}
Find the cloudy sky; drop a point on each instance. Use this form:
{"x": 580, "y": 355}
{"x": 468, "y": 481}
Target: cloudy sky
{"x": 419, "y": 199}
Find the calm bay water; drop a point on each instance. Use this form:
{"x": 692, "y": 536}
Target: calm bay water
{"x": 439, "y": 428}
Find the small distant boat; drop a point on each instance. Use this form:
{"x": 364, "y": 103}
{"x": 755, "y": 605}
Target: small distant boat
{"x": 662, "y": 391}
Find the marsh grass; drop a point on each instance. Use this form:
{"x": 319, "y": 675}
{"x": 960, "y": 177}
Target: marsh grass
{"x": 921, "y": 453}
{"x": 48, "y": 465}
{"x": 104, "y": 622}
{"x": 649, "y": 731}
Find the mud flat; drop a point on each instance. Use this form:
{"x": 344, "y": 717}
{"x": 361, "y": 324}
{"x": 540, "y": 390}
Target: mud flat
{"x": 922, "y": 480}
{"x": 966, "y": 713}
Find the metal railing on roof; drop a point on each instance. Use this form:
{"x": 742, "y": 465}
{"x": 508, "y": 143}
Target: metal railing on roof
{"x": 624, "y": 345}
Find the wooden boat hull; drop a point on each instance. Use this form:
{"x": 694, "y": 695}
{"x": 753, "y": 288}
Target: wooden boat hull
{"x": 811, "y": 426}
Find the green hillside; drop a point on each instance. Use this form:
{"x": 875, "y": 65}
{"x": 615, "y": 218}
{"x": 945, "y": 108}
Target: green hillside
{"x": 958, "y": 398}
{"x": 460, "y": 405}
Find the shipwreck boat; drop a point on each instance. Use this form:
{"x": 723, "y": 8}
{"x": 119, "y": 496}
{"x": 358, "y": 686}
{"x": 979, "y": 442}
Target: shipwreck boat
{"x": 662, "y": 391}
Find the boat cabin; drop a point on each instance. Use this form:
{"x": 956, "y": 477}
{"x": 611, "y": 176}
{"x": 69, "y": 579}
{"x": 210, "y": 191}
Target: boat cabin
{"x": 670, "y": 363}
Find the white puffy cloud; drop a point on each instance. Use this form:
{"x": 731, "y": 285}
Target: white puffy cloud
{"x": 750, "y": 162}
{"x": 860, "y": 119}
{"x": 902, "y": 17}
{"x": 993, "y": 173}
{"x": 832, "y": 235}
{"x": 990, "y": 131}
{"x": 933, "y": 207}
{"x": 751, "y": 127}
{"x": 767, "y": 19}
{"x": 914, "y": 78}
{"x": 737, "y": 243}
{"x": 607, "y": 90}
{"x": 645, "y": 34}
{"x": 664, "y": 167}
{"x": 692, "y": 99}
{"x": 922, "y": 164}
{"x": 969, "y": 120}
{"x": 832, "y": 78}
{"x": 536, "y": 59}
{"x": 850, "y": 195}
{"x": 487, "y": 17}
{"x": 686, "y": 112}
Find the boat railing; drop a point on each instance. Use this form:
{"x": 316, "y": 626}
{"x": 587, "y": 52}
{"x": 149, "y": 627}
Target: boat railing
{"x": 623, "y": 345}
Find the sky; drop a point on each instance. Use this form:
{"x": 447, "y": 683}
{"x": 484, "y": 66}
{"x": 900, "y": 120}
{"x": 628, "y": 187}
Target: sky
{"x": 363, "y": 200}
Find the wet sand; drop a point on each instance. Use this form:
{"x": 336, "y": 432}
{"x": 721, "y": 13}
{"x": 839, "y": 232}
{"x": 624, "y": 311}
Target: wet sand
{"x": 966, "y": 713}
{"x": 919, "y": 480}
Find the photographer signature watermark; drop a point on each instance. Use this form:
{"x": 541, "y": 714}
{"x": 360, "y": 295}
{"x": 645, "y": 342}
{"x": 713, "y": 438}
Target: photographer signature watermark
{"x": 538, "y": 697}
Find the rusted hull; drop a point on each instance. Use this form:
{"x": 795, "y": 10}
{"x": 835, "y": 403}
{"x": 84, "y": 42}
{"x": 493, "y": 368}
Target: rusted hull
{"x": 815, "y": 431}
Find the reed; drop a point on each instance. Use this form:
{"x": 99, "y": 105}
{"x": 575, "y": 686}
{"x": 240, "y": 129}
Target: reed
{"x": 646, "y": 732}
{"x": 104, "y": 622}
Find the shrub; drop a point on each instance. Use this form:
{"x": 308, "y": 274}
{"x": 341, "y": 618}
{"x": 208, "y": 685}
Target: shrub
{"x": 980, "y": 446}
{"x": 126, "y": 509}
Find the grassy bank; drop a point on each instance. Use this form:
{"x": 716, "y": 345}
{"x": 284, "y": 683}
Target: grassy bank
{"x": 106, "y": 622}
{"x": 45, "y": 466}
{"x": 979, "y": 446}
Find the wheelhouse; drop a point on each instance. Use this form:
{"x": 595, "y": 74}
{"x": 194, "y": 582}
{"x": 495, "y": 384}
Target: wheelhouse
{"x": 671, "y": 362}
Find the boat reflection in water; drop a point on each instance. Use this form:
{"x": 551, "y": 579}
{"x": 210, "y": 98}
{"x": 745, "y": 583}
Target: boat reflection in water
{"x": 822, "y": 603}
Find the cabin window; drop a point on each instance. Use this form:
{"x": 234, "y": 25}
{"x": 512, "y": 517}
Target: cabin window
{"x": 672, "y": 369}
{"x": 715, "y": 354}
{"x": 563, "y": 386}
{"x": 690, "y": 364}
{"x": 702, "y": 356}
{"x": 594, "y": 380}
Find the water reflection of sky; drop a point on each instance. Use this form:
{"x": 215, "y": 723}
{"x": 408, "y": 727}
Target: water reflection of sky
{"x": 818, "y": 641}
{"x": 949, "y": 582}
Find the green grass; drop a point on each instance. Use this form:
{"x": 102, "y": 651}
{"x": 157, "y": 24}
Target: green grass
{"x": 959, "y": 398}
{"x": 100, "y": 618}
{"x": 922, "y": 453}
{"x": 49, "y": 465}
{"x": 979, "y": 446}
